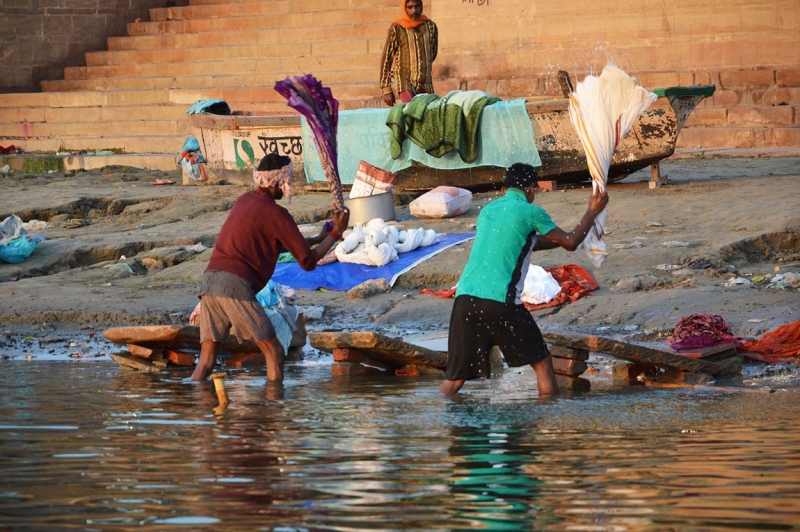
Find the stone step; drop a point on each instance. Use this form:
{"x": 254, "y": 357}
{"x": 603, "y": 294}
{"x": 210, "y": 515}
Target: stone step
{"x": 261, "y": 36}
{"x": 254, "y": 9}
{"x": 165, "y": 145}
{"x": 281, "y": 66}
{"x": 261, "y": 81}
{"x": 738, "y": 137}
{"x": 64, "y": 130}
{"x": 341, "y": 47}
{"x": 768, "y": 96}
{"x": 34, "y": 114}
{"x": 779, "y": 115}
{"x": 215, "y": 2}
{"x": 37, "y": 162}
{"x": 313, "y": 21}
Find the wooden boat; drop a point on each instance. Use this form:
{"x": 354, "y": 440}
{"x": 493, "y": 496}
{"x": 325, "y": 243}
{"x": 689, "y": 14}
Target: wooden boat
{"x": 232, "y": 144}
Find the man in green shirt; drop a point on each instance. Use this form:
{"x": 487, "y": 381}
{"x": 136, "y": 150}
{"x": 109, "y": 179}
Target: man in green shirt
{"x": 487, "y": 310}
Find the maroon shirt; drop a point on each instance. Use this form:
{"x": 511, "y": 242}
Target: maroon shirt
{"x": 256, "y": 231}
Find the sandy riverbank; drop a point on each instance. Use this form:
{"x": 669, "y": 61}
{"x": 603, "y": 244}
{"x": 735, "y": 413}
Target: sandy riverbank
{"x": 742, "y": 215}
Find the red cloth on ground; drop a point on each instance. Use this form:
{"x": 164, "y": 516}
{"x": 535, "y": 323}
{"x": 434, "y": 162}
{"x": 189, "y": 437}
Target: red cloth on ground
{"x": 575, "y": 283}
{"x": 444, "y": 293}
{"x": 781, "y": 343}
{"x": 701, "y": 330}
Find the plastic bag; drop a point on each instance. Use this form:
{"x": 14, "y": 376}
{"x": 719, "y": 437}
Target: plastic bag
{"x": 17, "y": 250}
{"x": 540, "y": 287}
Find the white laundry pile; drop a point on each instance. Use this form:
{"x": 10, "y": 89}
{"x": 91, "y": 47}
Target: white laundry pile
{"x": 377, "y": 244}
{"x": 540, "y": 286}
{"x": 603, "y": 109}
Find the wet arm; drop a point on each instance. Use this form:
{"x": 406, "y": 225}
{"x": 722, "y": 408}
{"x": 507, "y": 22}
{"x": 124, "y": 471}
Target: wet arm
{"x": 570, "y": 241}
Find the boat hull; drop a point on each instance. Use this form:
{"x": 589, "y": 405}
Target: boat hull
{"x": 234, "y": 144}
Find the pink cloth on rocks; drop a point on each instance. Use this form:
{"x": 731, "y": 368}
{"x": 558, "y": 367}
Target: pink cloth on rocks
{"x": 281, "y": 177}
{"x": 701, "y": 330}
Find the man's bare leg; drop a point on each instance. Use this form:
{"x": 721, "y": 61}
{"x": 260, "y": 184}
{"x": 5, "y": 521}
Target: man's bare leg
{"x": 274, "y": 357}
{"x": 545, "y": 376}
{"x": 451, "y": 387}
{"x": 208, "y": 357}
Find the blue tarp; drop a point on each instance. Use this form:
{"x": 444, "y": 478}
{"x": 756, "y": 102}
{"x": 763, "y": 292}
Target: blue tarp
{"x": 505, "y": 137}
{"x": 344, "y": 276}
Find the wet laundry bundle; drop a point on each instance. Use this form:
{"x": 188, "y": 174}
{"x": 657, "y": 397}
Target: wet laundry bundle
{"x": 377, "y": 244}
{"x": 701, "y": 330}
{"x": 603, "y": 109}
{"x": 316, "y": 103}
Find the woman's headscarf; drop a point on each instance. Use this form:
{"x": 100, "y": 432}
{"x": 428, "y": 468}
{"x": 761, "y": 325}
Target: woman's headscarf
{"x": 281, "y": 177}
{"x": 406, "y": 22}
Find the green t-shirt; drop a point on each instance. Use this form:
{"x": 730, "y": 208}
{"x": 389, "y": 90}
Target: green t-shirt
{"x": 501, "y": 253}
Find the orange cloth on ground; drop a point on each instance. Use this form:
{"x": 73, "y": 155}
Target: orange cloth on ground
{"x": 783, "y": 342}
{"x": 444, "y": 293}
{"x": 406, "y": 22}
{"x": 575, "y": 283}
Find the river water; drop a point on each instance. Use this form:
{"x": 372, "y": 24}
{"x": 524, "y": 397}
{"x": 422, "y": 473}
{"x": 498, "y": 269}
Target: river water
{"x": 89, "y": 445}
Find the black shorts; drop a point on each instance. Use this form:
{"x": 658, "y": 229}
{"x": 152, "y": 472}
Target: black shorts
{"x": 477, "y": 324}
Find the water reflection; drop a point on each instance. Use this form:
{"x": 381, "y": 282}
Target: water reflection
{"x": 96, "y": 446}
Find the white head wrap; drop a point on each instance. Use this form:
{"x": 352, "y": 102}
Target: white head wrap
{"x": 281, "y": 177}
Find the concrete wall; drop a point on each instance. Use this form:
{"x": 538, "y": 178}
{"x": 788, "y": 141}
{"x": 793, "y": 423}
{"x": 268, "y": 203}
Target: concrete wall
{"x": 38, "y": 38}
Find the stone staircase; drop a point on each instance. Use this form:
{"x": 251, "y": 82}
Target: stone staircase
{"x": 131, "y": 99}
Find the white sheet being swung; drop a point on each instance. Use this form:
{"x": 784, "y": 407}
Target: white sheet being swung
{"x": 602, "y": 110}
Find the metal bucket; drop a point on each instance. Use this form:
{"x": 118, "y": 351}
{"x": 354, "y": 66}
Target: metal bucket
{"x": 365, "y": 208}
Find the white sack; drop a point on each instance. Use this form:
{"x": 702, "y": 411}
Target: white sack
{"x": 441, "y": 202}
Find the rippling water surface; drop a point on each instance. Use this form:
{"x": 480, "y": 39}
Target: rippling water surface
{"x": 93, "y": 446}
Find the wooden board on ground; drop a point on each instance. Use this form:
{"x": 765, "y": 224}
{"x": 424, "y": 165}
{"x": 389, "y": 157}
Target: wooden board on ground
{"x": 131, "y": 361}
{"x": 634, "y": 352}
{"x": 392, "y": 352}
{"x": 711, "y": 354}
{"x": 175, "y": 337}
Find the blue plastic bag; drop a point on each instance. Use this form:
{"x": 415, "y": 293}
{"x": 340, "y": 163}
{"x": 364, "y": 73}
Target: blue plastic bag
{"x": 17, "y": 250}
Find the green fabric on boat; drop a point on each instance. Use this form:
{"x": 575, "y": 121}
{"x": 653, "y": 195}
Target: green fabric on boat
{"x": 505, "y": 137}
{"x": 440, "y": 125}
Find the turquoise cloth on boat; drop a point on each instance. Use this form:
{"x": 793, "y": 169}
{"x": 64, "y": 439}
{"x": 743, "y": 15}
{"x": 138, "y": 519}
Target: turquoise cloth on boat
{"x": 439, "y": 125}
{"x": 213, "y": 106}
{"x": 505, "y": 137}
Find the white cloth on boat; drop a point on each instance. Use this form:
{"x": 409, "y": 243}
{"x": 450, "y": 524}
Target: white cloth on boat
{"x": 539, "y": 287}
{"x": 602, "y": 110}
{"x": 376, "y": 243}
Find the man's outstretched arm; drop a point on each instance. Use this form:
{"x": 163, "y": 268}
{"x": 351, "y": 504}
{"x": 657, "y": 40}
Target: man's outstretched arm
{"x": 570, "y": 241}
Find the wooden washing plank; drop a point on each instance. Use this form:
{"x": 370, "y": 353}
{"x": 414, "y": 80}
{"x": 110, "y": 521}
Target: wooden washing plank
{"x": 392, "y": 352}
{"x": 175, "y": 337}
{"x": 633, "y": 352}
{"x": 131, "y": 361}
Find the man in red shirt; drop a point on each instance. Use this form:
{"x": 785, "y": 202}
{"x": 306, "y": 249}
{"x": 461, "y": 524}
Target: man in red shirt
{"x": 256, "y": 231}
